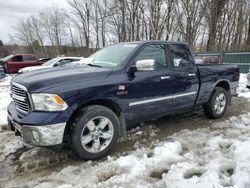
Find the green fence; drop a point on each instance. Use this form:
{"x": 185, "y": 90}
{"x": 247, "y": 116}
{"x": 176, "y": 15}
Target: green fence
{"x": 242, "y": 59}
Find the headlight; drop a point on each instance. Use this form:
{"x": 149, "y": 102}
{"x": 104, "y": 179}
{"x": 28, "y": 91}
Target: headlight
{"x": 48, "y": 102}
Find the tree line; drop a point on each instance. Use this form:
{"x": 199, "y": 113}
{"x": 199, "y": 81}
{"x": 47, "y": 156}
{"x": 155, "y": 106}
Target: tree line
{"x": 206, "y": 25}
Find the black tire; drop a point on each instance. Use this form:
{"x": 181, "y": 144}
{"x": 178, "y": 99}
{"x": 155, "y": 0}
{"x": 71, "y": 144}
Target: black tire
{"x": 79, "y": 125}
{"x": 210, "y": 109}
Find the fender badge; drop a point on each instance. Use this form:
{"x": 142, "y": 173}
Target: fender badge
{"x": 121, "y": 87}
{"x": 121, "y": 93}
{"x": 122, "y": 90}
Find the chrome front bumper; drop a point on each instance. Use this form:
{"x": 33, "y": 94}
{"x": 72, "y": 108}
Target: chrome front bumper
{"x": 46, "y": 135}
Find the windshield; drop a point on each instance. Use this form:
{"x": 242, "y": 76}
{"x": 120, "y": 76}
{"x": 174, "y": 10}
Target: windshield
{"x": 112, "y": 56}
{"x": 6, "y": 58}
{"x": 51, "y": 62}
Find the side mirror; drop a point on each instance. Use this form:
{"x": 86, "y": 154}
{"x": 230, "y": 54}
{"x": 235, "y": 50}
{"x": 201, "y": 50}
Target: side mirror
{"x": 145, "y": 65}
{"x": 55, "y": 65}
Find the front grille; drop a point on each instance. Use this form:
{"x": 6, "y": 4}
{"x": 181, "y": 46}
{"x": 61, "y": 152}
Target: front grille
{"x": 20, "y": 98}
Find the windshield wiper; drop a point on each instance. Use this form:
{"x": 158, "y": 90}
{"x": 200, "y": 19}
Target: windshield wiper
{"x": 93, "y": 65}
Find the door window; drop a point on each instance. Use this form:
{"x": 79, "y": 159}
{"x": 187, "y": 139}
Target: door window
{"x": 65, "y": 61}
{"x": 156, "y": 52}
{"x": 29, "y": 58}
{"x": 17, "y": 58}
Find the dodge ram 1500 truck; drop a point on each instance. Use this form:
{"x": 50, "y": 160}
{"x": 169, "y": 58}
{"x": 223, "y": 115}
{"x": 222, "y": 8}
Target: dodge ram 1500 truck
{"x": 90, "y": 107}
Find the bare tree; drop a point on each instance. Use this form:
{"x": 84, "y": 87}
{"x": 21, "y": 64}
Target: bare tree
{"x": 210, "y": 24}
{"x": 213, "y": 14}
{"x": 38, "y": 32}
{"x": 24, "y": 33}
{"x": 189, "y": 17}
{"x": 81, "y": 10}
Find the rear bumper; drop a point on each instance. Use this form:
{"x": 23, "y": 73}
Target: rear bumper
{"x": 46, "y": 135}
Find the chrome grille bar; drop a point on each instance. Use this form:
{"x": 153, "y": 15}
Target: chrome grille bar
{"x": 20, "y": 98}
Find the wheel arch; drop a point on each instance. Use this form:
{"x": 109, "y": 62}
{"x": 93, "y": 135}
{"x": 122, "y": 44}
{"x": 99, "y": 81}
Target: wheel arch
{"x": 111, "y": 104}
{"x": 225, "y": 85}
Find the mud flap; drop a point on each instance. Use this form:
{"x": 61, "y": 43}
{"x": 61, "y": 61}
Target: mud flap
{"x": 229, "y": 97}
{"x": 123, "y": 129}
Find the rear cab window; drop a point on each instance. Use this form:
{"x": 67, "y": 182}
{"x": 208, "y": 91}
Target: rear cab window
{"x": 181, "y": 55}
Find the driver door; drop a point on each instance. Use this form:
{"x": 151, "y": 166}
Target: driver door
{"x": 150, "y": 91}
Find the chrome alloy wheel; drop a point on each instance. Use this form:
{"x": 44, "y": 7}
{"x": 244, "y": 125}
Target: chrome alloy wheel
{"x": 220, "y": 103}
{"x": 97, "y": 134}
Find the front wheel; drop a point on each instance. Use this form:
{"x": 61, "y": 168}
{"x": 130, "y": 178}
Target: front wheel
{"x": 94, "y": 132}
{"x": 217, "y": 104}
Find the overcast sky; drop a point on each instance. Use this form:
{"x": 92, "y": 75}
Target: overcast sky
{"x": 12, "y": 10}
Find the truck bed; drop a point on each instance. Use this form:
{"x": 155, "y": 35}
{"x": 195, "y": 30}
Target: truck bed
{"x": 210, "y": 74}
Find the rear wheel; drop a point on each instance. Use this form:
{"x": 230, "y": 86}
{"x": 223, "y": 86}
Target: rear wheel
{"x": 217, "y": 104}
{"x": 94, "y": 132}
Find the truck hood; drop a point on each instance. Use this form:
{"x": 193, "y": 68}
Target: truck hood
{"x": 32, "y": 68}
{"x": 40, "y": 80}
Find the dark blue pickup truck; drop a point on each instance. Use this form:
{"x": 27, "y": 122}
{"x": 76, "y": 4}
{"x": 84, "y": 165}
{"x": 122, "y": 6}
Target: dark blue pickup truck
{"x": 90, "y": 107}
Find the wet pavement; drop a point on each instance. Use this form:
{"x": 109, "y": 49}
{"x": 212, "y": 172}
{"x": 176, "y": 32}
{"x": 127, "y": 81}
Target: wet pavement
{"x": 32, "y": 162}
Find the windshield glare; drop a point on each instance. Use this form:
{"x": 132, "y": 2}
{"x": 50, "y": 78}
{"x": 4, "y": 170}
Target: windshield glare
{"x": 51, "y": 62}
{"x": 112, "y": 56}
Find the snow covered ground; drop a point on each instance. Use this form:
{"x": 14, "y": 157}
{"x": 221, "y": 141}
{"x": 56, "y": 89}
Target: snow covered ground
{"x": 214, "y": 157}
{"x": 4, "y": 99}
{"x": 9, "y": 144}
{"x": 244, "y": 92}
{"x": 188, "y": 159}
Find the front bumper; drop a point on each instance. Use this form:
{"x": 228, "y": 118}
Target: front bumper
{"x": 39, "y": 128}
{"x": 46, "y": 135}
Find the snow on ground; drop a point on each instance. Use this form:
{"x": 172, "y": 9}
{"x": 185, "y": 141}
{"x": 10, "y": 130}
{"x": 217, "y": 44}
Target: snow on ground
{"x": 207, "y": 157}
{"x": 4, "y": 99}
{"x": 9, "y": 143}
{"x": 243, "y": 91}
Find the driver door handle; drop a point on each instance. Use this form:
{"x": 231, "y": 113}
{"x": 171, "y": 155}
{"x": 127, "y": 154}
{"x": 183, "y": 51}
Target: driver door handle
{"x": 191, "y": 74}
{"x": 165, "y": 77}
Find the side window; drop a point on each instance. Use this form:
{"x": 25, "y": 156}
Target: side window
{"x": 29, "y": 58}
{"x": 64, "y": 61}
{"x": 73, "y": 60}
{"x": 17, "y": 58}
{"x": 179, "y": 54}
{"x": 156, "y": 52}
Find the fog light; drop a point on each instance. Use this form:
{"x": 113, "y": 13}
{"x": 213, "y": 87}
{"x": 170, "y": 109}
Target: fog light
{"x": 35, "y": 136}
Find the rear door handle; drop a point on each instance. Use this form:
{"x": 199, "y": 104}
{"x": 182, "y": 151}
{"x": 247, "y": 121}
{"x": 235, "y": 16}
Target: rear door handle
{"x": 165, "y": 77}
{"x": 191, "y": 74}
